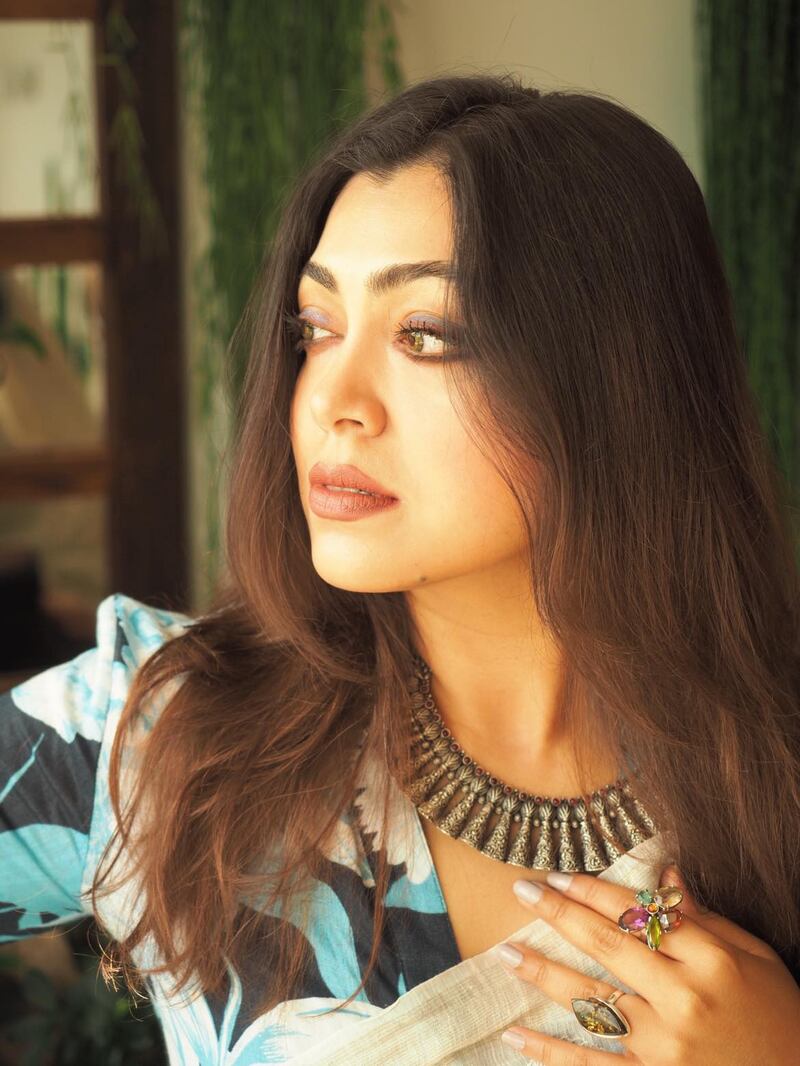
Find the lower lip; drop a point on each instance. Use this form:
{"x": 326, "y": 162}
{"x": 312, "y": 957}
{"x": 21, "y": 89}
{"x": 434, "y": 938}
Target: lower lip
{"x": 346, "y": 506}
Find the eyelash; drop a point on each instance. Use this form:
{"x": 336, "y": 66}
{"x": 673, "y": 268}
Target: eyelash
{"x": 297, "y": 322}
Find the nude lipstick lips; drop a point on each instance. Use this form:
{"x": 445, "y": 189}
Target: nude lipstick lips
{"x": 346, "y": 505}
{"x": 346, "y": 493}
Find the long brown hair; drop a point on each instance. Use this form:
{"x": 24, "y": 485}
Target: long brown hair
{"x": 604, "y": 370}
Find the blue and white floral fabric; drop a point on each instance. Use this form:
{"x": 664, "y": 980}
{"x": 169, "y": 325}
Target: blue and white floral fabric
{"x": 55, "y": 820}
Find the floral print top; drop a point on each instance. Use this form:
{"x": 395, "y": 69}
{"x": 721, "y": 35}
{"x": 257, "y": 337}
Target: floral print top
{"x": 55, "y": 819}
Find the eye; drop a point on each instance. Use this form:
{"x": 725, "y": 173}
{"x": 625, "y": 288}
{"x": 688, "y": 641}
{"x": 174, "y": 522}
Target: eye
{"x": 424, "y": 341}
{"x": 301, "y": 330}
{"x": 418, "y": 334}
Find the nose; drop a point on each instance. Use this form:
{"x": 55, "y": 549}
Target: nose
{"x": 347, "y": 387}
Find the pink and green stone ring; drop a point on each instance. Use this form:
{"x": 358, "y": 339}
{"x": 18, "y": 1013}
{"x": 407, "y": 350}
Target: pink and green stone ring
{"x": 656, "y": 914}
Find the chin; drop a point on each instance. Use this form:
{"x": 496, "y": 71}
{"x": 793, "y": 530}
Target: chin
{"x": 356, "y": 575}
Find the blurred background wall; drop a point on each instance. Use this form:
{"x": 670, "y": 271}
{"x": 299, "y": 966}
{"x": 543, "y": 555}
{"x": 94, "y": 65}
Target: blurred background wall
{"x": 643, "y": 52}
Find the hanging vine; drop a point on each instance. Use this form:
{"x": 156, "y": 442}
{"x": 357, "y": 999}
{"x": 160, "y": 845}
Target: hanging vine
{"x": 125, "y": 137}
{"x": 750, "y": 90}
{"x": 267, "y": 84}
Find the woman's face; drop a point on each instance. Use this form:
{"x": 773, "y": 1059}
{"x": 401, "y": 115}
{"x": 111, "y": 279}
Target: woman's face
{"x": 360, "y": 399}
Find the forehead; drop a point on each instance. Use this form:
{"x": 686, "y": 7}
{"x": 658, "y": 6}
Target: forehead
{"x": 405, "y": 218}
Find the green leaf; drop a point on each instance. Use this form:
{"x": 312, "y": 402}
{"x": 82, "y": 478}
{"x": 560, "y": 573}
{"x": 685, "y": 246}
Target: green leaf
{"x": 36, "y": 1037}
{"x": 39, "y": 990}
{"x": 19, "y": 333}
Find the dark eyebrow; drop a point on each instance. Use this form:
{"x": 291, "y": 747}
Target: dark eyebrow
{"x": 388, "y": 277}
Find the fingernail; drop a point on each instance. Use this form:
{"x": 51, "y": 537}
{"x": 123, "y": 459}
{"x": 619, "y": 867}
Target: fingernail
{"x": 528, "y": 891}
{"x": 559, "y": 880}
{"x": 509, "y": 954}
{"x": 514, "y": 1039}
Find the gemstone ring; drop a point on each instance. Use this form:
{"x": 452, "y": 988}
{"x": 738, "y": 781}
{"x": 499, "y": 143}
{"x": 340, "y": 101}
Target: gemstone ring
{"x": 656, "y": 913}
{"x": 601, "y": 1017}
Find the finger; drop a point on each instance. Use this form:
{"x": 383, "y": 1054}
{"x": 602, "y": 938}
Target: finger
{"x": 722, "y": 927}
{"x": 649, "y": 972}
{"x": 553, "y": 1052}
{"x": 562, "y": 984}
{"x": 605, "y": 897}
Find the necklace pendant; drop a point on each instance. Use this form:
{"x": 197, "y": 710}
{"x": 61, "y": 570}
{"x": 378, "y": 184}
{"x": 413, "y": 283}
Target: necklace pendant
{"x": 496, "y": 847}
{"x": 438, "y": 801}
{"x": 520, "y": 853}
{"x": 543, "y": 858}
{"x": 592, "y": 849}
{"x": 472, "y": 832}
{"x": 453, "y": 823}
{"x": 567, "y": 859}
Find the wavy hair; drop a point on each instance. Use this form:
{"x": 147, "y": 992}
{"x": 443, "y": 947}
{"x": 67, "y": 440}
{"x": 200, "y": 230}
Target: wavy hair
{"x": 605, "y": 373}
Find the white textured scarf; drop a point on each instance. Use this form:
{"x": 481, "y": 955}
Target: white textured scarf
{"x": 457, "y": 1016}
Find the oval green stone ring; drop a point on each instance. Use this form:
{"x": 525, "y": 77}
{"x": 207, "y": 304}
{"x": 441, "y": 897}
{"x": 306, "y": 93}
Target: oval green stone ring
{"x": 600, "y": 1017}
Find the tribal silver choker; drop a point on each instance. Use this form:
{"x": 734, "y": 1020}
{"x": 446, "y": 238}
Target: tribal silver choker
{"x": 583, "y": 834}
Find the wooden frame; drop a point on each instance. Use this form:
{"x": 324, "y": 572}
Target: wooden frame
{"x": 142, "y": 469}
{"x": 49, "y": 9}
{"x": 146, "y": 386}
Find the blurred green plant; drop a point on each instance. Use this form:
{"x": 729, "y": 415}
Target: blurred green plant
{"x": 18, "y": 333}
{"x": 267, "y": 85}
{"x": 62, "y": 190}
{"x": 125, "y": 138}
{"x": 750, "y": 97}
{"x": 50, "y": 284}
{"x": 84, "y": 1023}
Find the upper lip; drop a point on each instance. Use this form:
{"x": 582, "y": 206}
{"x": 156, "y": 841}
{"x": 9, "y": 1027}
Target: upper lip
{"x": 345, "y": 476}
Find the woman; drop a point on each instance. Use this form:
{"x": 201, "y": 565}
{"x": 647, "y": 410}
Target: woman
{"x": 550, "y": 641}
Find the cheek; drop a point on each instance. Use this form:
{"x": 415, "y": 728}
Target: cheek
{"x": 298, "y": 422}
{"x": 466, "y": 500}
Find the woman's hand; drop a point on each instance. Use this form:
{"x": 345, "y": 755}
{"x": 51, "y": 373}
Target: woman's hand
{"x": 711, "y": 995}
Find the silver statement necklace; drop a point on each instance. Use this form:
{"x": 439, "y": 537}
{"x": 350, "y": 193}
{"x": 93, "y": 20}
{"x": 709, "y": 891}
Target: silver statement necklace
{"x": 584, "y": 833}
